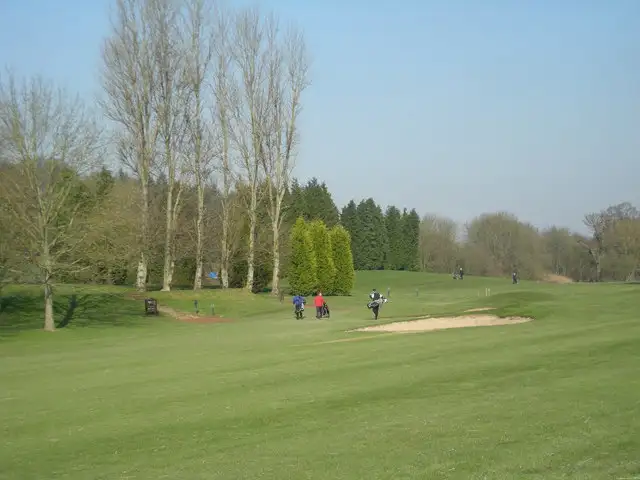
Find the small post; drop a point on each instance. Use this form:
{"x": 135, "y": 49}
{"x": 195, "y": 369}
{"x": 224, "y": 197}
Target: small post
{"x": 195, "y": 304}
{"x": 281, "y": 294}
{"x": 388, "y": 292}
{"x": 213, "y": 310}
{"x": 416, "y": 292}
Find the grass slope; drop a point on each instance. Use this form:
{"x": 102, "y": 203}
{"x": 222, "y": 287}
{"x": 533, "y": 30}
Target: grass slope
{"x": 115, "y": 395}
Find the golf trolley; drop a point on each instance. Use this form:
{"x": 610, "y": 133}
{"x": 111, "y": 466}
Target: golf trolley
{"x": 324, "y": 311}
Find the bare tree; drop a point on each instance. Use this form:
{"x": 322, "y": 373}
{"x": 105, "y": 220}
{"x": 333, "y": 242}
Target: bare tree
{"x": 113, "y": 231}
{"x": 49, "y": 141}
{"x": 248, "y": 114}
{"x": 199, "y": 56}
{"x": 287, "y": 76}
{"x": 498, "y": 243}
{"x": 8, "y": 236}
{"x": 129, "y": 80}
{"x": 597, "y": 223}
{"x": 226, "y": 105}
{"x": 169, "y": 105}
{"x": 625, "y": 242}
{"x": 558, "y": 246}
{"x": 437, "y": 244}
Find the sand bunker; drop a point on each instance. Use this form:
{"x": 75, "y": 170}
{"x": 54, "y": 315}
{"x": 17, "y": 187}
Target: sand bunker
{"x": 479, "y": 309}
{"x": 442, "y": 323}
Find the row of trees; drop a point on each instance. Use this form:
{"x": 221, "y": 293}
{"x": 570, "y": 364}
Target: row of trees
{"x": 382, "y": 240}
{"x": 379, "y": 240}
{"x": 490, "y": 244}
{"x": 194, "y": 90}
{"x": 499, "y": 243}
{"x": 196, "y": 97}
{"x": 321, "y": 259}
{"x": 202, "y": 106}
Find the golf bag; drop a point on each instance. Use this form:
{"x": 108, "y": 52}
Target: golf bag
{"x": 324, "y": 312}
{"x": 379, "y": 302}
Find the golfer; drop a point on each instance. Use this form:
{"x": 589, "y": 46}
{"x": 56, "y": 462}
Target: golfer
{"x": 375, "y": 297}
{"x": 318, "y": 301}
{"x": 298, "y": 304}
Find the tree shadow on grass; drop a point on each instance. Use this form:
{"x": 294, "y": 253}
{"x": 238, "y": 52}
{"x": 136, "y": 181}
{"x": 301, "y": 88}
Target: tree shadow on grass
{"x": 25, "y": 311}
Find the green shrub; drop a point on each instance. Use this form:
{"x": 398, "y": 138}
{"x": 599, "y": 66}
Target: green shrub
{"x": 302, "y": 265}
{"x": 325, "y": 269}
{"x": 343, "y": 261}
{"x": 261, "y": 275}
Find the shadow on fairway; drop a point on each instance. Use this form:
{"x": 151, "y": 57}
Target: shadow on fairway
{"x": 25, "y": 311}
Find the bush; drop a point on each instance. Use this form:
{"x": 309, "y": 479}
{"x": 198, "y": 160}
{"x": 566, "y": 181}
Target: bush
{"x": 325, "y": 269}
{"x": 184, "y": 272}
{"x": 302, "y": 266}
{"x": 261, "y": 275}
{"x": 343, "y": 261}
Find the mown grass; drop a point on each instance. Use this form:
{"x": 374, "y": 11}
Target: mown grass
{"x": 116, "y": 395}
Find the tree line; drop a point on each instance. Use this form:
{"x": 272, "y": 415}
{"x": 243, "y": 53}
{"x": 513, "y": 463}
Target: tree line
{"x": 492, "y": 244}
{"x": 499, "y": 243}
{"x": 196, "y": 98}
{"x": 188, "y": 165}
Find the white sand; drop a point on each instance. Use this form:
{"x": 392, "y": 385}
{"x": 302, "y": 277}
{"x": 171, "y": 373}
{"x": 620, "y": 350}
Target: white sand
{"x": 441, "y": 323}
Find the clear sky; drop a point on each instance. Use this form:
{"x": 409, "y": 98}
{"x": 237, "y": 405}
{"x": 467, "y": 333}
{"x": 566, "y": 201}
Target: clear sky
{"x": 452, "y": 107}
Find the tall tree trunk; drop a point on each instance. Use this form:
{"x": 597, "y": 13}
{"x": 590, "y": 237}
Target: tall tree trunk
{"x": 197, "y": 281}
{"x": 275, "y": 278}
{"x": 251, "y": 253}
{"x": 49, "y": 325}
{"x": 198, "y": 170}
{"x": 226, "y": 206}
{"x": 168, "y": 238}
{"x": 166, "y": 271}
{"x": 172, "y": 269}
{"x": 141, "y": 276}
{"x": 275, "y": 229}
{"x": 225, "y": 254}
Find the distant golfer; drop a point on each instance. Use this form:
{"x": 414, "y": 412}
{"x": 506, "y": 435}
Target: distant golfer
{"x": 461, "y": 274}
{"x": 318, "y": 301}
{"x": 514, "y": 278}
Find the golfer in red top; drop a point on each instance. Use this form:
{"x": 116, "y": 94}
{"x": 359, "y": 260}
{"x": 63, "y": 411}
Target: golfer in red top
{"x": 318, "y": 301}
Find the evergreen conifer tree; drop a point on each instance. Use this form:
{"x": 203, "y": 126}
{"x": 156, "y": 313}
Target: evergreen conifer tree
{"x": 325, "y": 269}
{"x": 302, "y": 276}
{"x": 393, "y": 224}
{"x": 343, "y": 260}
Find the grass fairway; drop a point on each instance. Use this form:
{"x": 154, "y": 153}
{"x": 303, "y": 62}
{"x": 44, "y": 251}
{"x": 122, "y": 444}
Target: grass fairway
{"x": 115, "y": 395}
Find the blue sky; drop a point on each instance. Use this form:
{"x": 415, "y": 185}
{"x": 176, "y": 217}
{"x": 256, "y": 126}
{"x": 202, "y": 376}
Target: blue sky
{"x": 451, "y": 107}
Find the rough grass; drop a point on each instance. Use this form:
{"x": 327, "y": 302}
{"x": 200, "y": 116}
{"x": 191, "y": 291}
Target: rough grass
{"x": 115, "y": 395}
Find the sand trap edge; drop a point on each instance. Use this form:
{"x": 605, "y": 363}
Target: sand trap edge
{"x": 443, "y": 323}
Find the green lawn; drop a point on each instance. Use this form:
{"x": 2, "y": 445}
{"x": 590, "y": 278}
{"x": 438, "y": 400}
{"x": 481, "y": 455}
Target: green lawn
{"x": 115, "y": 395}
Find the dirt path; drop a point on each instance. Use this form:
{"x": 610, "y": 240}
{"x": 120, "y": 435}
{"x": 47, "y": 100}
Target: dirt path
{"x": 190, "y": 318}
{"x": 181, "y": 316}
